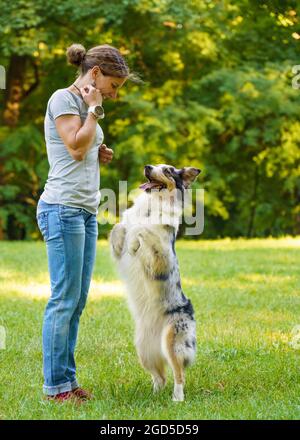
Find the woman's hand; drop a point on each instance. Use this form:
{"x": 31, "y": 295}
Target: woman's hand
{"x": 105, "y": 154}
{"x": 91, "y": 96}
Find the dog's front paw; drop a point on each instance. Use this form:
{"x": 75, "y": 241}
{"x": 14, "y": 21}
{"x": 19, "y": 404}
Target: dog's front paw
{"x": 116, "y": 238}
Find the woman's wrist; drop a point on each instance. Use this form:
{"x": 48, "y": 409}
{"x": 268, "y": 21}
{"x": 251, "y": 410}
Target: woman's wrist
{"x": 93, "y": 115}
{"x": 91, "y": 104}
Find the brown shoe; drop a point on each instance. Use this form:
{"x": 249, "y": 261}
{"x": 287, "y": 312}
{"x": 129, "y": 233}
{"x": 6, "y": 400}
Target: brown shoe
{"x": 82, "y": 394}
{"x": 62, "y": 397}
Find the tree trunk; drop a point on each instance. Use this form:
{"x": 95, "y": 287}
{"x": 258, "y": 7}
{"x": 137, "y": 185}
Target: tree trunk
{"x": 14, "y": 89}
{"x": 15, "y": 92}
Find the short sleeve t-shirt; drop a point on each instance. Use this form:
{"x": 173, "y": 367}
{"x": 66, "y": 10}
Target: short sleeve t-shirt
{"x": 70, "y": 182}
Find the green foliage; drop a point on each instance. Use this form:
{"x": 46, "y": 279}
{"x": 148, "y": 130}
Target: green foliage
{"x": 217, "y": 95}
{"x": 24, "y": 165}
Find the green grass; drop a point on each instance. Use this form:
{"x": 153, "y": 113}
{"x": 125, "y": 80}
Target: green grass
{"x": 246, "y": 298}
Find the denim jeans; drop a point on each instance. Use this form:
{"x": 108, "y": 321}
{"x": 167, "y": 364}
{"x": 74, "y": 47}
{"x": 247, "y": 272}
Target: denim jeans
{"x": 71, "y": 236}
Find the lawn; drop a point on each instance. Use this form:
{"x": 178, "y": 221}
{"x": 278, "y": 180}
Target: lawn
{"x": 247, "y": 301}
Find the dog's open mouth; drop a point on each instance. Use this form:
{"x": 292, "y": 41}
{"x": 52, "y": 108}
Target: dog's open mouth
{"x": 152, "y": 184}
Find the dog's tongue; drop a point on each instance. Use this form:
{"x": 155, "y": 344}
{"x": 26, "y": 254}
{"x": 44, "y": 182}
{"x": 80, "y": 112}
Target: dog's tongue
{"x": 150, "y": 185}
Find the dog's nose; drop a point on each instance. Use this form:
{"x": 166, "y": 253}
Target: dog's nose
{"x": 148, "y": 167}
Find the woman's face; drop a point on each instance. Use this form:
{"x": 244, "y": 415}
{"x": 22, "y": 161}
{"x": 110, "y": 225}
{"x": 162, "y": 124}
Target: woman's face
{"x": 108, "y": 85}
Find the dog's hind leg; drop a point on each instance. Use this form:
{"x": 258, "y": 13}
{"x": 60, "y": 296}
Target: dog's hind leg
{"x": 116, "y": 239}
{"x": 156, "y": 368}
{"x": 175, "y": 362}
{"x": 159, "y": 377}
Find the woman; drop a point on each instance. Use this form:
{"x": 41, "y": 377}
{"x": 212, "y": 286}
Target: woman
{"x": 67, "y": 209}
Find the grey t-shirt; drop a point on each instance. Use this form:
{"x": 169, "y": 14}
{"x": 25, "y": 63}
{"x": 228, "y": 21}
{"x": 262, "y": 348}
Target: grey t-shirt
{"x": 70, "y": 182}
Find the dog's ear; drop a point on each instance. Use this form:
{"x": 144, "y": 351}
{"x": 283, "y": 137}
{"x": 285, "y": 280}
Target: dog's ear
{"x": 188, "y": 175}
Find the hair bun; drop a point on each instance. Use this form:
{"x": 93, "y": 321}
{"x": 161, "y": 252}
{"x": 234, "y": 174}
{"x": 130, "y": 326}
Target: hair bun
{"x": 75, "y": 54}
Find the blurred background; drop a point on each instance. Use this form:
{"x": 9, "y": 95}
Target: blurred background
{"x": 217, "y": 95}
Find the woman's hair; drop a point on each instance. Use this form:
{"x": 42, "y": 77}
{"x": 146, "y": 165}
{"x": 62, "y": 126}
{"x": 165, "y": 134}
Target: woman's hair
{"x": 106, "y": 57}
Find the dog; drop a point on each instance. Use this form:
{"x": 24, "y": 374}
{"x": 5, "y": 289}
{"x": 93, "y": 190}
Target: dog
{"x": 143, "y": 248}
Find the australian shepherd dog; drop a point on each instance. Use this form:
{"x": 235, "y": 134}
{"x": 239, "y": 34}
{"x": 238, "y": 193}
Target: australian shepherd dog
{"x": 143, "y": 247}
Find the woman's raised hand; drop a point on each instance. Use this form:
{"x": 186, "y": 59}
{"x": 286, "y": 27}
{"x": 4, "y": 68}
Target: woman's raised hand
{"x": 105, "y": 154}
{"x": 90, "y": 95}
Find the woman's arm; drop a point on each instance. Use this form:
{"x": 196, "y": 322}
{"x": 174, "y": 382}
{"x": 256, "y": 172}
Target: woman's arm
{"x": 76, "y": 137}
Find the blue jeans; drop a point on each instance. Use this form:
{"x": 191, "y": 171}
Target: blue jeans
{"x": 71, "y": 236}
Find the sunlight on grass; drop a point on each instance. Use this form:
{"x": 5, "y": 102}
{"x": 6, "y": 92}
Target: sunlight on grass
{"x": 261, "y": 278}
{"x": 240, "y": 243}
{"x": 42, "y": 291}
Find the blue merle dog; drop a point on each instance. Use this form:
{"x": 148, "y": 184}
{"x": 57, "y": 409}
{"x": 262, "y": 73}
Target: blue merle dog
{"x": 143, "y": 247}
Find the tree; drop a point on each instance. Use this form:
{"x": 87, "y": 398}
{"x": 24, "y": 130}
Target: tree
{"x": 217, "y": 95}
